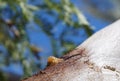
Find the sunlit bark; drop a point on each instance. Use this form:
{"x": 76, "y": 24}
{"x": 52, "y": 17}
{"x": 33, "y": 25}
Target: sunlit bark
{"x": 97, "y": 59}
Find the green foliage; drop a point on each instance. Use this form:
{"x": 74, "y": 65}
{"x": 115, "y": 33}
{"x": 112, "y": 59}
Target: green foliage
{"x": 14, "y": 38}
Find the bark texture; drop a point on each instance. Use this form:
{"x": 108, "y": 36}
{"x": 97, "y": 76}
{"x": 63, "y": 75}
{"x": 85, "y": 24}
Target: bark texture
{"x": 97, "y": 59}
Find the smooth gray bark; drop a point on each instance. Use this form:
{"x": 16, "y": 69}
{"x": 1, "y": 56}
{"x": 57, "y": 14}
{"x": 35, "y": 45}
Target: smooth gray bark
{"x": 96, "y": 59}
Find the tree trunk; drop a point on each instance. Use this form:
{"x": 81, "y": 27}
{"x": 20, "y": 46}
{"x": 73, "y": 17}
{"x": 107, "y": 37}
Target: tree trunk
{"x": 97, "y": 59}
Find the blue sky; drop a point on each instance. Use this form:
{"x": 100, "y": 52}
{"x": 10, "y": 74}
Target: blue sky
{"x": 40, "y": 39}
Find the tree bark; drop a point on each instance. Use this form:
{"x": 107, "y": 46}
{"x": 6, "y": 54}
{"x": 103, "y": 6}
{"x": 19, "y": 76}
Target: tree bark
{"x": 97, "y": 59}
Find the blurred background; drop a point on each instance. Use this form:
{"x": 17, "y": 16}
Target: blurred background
{"x": 33, "y": 30}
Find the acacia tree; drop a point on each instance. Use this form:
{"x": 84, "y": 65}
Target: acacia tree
{"x": 15, "y": 17}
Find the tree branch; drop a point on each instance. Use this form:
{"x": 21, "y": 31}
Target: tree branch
{"x": 97, "y": 59}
